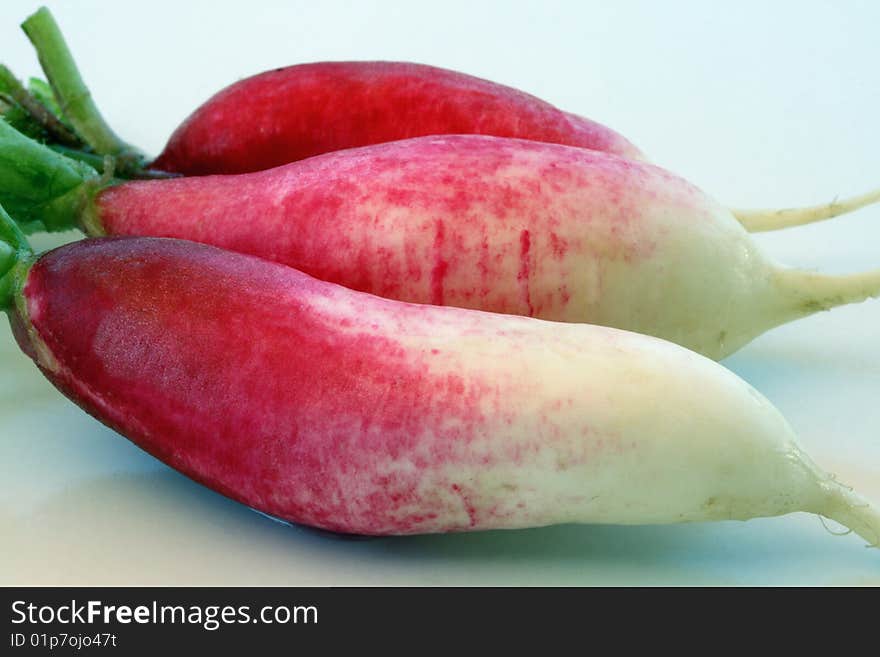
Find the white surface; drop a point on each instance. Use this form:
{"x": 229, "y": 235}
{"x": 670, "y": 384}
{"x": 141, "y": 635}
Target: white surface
{"x": 760, "y": 104}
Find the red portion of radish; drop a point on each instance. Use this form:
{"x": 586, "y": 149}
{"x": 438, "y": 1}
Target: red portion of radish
{"x": 269, "y": 386}
{"x": 471, "y": 221}
{"x": 293, "y": 113}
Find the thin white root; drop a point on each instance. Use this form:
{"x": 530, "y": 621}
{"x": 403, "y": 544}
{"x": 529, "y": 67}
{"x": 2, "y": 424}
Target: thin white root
{"x": 811, "y": 292}
{"x": 756, "y": 221}
{"x": 852, "y": 511}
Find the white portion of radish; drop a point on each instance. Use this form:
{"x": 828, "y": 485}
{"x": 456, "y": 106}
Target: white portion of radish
{"x": 614, "y": 427}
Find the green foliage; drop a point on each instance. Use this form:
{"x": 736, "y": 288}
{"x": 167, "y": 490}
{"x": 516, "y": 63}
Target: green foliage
{"x": 43, "y": 93}
{"x": 38, "y": 184}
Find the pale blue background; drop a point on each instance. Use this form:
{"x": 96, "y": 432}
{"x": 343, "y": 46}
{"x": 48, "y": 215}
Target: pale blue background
{"x": 759, "y": 105}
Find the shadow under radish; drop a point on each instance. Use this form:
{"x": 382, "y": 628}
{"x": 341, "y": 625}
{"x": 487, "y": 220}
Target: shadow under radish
{"x": 160, "y": 528}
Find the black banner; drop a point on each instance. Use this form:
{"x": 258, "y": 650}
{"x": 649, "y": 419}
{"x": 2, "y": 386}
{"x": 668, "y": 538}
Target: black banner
{"x": 134, "y": 621}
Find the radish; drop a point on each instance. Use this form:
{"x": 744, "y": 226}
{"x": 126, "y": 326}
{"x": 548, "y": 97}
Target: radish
{"x": 351, "y": 413}
{"x": 504, "y": 225}
{"x": 296, "y": 112}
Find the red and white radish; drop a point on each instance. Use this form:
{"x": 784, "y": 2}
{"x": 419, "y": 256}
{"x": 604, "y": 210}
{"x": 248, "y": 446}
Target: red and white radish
{"x": 348, "y": 412}
{"x": 510, "y": 226}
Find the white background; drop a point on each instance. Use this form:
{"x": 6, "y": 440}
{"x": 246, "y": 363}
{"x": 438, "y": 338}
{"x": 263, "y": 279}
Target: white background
{"x": 760, "y": 104}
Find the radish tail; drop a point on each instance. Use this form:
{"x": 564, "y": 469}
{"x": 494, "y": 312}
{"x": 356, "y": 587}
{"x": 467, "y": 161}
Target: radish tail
{"x": 757, "y": 221}
{"x": 809, "y": 292}
{"x": 854, "y": 512}
{"x": 801, "y": 293}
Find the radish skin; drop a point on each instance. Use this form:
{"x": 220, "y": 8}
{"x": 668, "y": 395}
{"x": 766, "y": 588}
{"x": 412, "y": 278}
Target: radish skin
{"x": 352, "y": 413}
{"x": 501, "y": 225}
